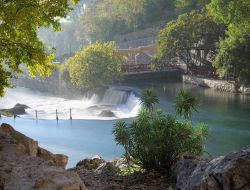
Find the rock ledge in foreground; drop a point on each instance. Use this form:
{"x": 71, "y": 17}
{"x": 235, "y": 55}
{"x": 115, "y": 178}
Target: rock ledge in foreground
{"x": 226, "y": 172}
{"x": 22, "y": 169}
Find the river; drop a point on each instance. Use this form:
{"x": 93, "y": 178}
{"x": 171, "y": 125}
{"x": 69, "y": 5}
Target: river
{"x": 227, "y": 115}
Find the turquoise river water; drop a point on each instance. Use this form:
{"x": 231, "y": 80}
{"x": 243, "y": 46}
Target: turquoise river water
{"x": 227, "y": 115}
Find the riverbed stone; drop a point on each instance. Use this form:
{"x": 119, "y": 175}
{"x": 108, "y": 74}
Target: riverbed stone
{"x": 220, "y": 85}
{"x": 107, "y": 113}
{"x": 245, "y": 90}
{"x": 18, "y": 109}
{"x": 226, "y": 172}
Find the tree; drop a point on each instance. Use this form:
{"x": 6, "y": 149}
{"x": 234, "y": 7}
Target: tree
{"x": 95, "y": 65}
{"x": 189, "y": 5}
{"x": 149, "y": 99}
{"x": 95, "y": 25}
{"x": 105, "y": 19}
{"x": 19, "y": 44}
{"x": 233, "y": 56}
{"x": 128, "y": 10}
{"x": 185, "y": 104}
{"x": 185, "y": 37}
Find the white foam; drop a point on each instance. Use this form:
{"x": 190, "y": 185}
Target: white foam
{"x": 123, "y": 104}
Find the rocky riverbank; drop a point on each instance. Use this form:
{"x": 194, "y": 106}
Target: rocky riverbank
{"x": 26, "y": 166}
{"x": 220, "y": 85}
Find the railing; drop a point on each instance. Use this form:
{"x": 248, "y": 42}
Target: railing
{"x": 142, "y": 68}
{"x": 37, "y": 115}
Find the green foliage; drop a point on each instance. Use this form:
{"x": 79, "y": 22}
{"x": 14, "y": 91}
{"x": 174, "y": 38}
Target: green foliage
{"x": 189, "y": 5}
{"x": 105, "y": 19}
{"x": 121, "y": 133}
{"x": 149, "y": 99}
{"x": 185, "y": 104}
{"x": 155, "y": 140}
{"x": 230, "y": 12}
{"x": 19, "y": 44}
{"x": 95, "y": 65}
{"x": 126, "y": 171}
{"x": 233, "y": 55}
{"x": 4, "y": 80}
{"x": 234, "y": 58}
{"x": 122, "y": 138}
{"x": 190, "y": 31}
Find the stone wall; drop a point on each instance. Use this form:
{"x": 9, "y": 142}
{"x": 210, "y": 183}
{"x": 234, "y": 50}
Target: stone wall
{"x": 168, "y": 76}
{"x": 222, "y": 85}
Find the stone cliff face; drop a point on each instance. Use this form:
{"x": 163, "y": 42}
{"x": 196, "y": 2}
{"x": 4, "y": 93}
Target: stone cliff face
{"x": 25, "y": 166}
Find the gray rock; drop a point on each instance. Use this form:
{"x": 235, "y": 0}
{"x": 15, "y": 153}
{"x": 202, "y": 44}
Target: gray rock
{"x": 119, "y": 162}
{"x": 228, "y": 172}
{"x": 59, "y": 159}
{"x": 18, "y": 109}
{"x": 107, "y": 113}
{"x": 107, "y": 169}
{"x": 90, "y": 163}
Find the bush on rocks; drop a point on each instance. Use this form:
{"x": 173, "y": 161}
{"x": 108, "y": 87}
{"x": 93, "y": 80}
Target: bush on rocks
{"x": 156, "y": 140}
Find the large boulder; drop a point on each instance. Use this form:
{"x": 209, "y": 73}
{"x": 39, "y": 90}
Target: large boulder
{"x": 21, "y": 171}
{"x": 29, "y": 144}
{"x": 107, "y": 113}
{"x": 226, "y": 172}
{"x": 18, "y": 109}
{"x": 31, "y": 147}
{"x": 59, "y": 159}
{"x": 91, "y": 163}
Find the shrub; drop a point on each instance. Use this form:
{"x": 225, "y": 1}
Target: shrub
{"x": 155, "y": 140}
{"x": 95, "y": 65}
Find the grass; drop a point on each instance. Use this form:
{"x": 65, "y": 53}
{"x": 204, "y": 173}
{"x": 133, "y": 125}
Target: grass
{"x": 129, "y": 170}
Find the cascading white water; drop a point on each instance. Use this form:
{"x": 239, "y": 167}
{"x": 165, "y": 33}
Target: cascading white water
{"x": 122, "y": 103}
{"x": 115, "y": 97}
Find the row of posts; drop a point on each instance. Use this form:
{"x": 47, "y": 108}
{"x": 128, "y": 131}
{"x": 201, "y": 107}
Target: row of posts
{"x": 57, "y": 118}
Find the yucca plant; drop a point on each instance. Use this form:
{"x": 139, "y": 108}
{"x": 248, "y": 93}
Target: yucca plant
{"x": 155, "y": 140}
{"x": 148, "y": 99}
{"x": 185, "y": 104}
{"x": 122, "y": 137}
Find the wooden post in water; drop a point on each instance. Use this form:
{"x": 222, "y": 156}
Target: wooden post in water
{"x": 57, "y": 115}
{"x": 14, "y": 116}
{"x": 70, "y": 117}
{"x": 36, "y": 115}
{"x": 0, "y": 115}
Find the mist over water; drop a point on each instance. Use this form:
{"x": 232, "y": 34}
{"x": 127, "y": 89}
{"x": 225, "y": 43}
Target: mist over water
{"x": 122, "y": 103}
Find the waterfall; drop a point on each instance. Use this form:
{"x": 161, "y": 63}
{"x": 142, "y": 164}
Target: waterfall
{"x": 121, "y": 101}
{"x": 115, "y": 97}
